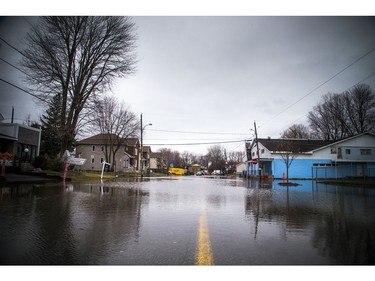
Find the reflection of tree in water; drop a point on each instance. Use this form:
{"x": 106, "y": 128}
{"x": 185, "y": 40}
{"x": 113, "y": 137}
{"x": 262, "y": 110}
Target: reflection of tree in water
{"x": 109, "y": 223}
{"x": 263, "y": 205}
{"x": 42, "y": 230}
{"x": 74, "y": 227}
{"x": 337, "y": 230}
{"x": 348, "y": 241}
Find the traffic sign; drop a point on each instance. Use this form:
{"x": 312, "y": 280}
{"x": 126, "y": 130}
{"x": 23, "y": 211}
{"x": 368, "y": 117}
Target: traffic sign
{"x": 254, "y": 161}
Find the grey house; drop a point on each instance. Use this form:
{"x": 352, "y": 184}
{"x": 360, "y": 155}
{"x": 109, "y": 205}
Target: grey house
{"x": 23, "y": 142}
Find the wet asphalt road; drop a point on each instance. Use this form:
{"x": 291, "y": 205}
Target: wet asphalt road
{"x": 187, "y": 221}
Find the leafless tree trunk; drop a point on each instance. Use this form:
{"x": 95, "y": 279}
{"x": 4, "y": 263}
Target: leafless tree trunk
{"x": 359, "y": 105}
{"x": 288, "y": 152}
{"x": 117, "y": 121}
{"x": 344, "y": 115}
{"x": 77, "y": 57}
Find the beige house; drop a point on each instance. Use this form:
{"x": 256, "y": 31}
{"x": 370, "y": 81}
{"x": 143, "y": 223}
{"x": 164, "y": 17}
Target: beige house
{"x": 156, "y": 161}
{"x": 146, "y": 157}
{"x": 97, "y": 149}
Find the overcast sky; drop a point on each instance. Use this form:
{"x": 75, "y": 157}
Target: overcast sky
{"x": 218, "y": 75}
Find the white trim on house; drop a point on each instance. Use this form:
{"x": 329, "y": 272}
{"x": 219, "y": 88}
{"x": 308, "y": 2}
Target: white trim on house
{"x": 335, "y": 154}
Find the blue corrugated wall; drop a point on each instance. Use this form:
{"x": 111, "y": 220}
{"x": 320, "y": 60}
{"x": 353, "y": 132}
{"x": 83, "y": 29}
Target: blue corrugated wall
{"x": 300, "y": 168}
{"x": 310, "y": 168}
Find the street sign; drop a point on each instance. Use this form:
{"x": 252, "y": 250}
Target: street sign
{"x": 254, "y": 161}
{"x": 76, "y": 161}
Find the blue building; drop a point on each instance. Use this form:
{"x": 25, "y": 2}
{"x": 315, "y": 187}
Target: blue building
{"x": 311, "y": 159}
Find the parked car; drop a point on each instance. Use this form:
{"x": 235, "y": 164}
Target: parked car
{"x": 200, "y": 173}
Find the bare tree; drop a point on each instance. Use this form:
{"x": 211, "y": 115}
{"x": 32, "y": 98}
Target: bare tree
{"x": 296, "y": 131}
{"x": 216, "y": 155}
{"x": 288, "y": 150}
{"x": 77, "y": 58}
{"x": 117, "y": 122}
{"x": 343, "y": 115}
{"x": 170, "y": 157}
{"x": 327, "y": 119}
{"x": 189, "y": 158}
{"x": 359, "y": 105}
{"x": 235, "y": 157}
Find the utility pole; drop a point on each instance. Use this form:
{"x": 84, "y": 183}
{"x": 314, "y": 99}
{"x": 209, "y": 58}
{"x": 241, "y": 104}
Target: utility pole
{"x": 256, "y": 140}
{"x": 142, "y": 128}
{"x": 141, "y": 147}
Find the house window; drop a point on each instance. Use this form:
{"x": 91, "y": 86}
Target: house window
{"x": 333, "y": 150}
{"x": 324, "y": 164}
{"x": 347, "y": 151}
{"x": 102, "y": 147}
{"x": 93, "y": 148}
{"x": 262, "y": 151}
{"x": 365, "y": 151}
{"x": 101, "y": 160}
{"x": 92, "y": 159}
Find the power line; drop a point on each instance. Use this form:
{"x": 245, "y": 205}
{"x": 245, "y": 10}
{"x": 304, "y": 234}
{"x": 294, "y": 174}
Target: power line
{"x": 364, "y": 79}
{"x": 14, "y": 48}
{"x": 177, "y": 139}
{"x": 316, "y": 88}
{"x": 202, "y": 143}
{"x": 23, "y": 90}
{"x": 14, "y": 66}
{"x": 202, "y": 133}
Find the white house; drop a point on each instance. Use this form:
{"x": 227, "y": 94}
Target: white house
{"x": 349, "y": 157}
{"x": 240, "y": 168}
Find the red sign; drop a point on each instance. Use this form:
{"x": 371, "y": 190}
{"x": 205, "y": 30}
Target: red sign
{"x": 254, "y": 161}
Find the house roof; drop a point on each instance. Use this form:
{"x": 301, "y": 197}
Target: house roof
{"x": 104, "y": 138}
{"x": 300, "y": 145}
{"x": 147, "y": 149}
{"x": 2, "y": 136}
{"x": 97, "y": 139}
{"x": 132, "y": 141}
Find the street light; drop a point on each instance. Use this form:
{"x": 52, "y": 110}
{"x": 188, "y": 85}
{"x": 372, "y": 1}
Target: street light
{"x": 142, "y": 128}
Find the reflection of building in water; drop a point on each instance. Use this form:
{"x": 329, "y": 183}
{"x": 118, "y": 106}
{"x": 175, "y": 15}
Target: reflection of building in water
{"x": 80, "y": 227}
{"x": 337, "y": 218}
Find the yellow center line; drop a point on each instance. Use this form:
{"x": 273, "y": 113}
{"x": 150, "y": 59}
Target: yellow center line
{"x": 204, "y": 251}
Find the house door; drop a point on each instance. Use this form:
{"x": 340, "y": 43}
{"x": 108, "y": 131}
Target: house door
{"x": 361, "y": 170}
{"x": 267, "y": 168}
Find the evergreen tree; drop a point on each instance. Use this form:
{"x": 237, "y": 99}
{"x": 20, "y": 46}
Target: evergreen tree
{"x": 51, "y": 129}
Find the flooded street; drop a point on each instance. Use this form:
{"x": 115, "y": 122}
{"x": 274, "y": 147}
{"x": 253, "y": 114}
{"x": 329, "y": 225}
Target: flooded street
{"x": 187, "y": 221}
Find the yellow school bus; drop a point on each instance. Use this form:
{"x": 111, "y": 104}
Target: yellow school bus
{"x": 176, "y": 171}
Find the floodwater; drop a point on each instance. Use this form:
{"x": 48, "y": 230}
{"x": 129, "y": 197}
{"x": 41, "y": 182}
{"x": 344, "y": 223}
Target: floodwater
{"x": 187, "y": 221}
